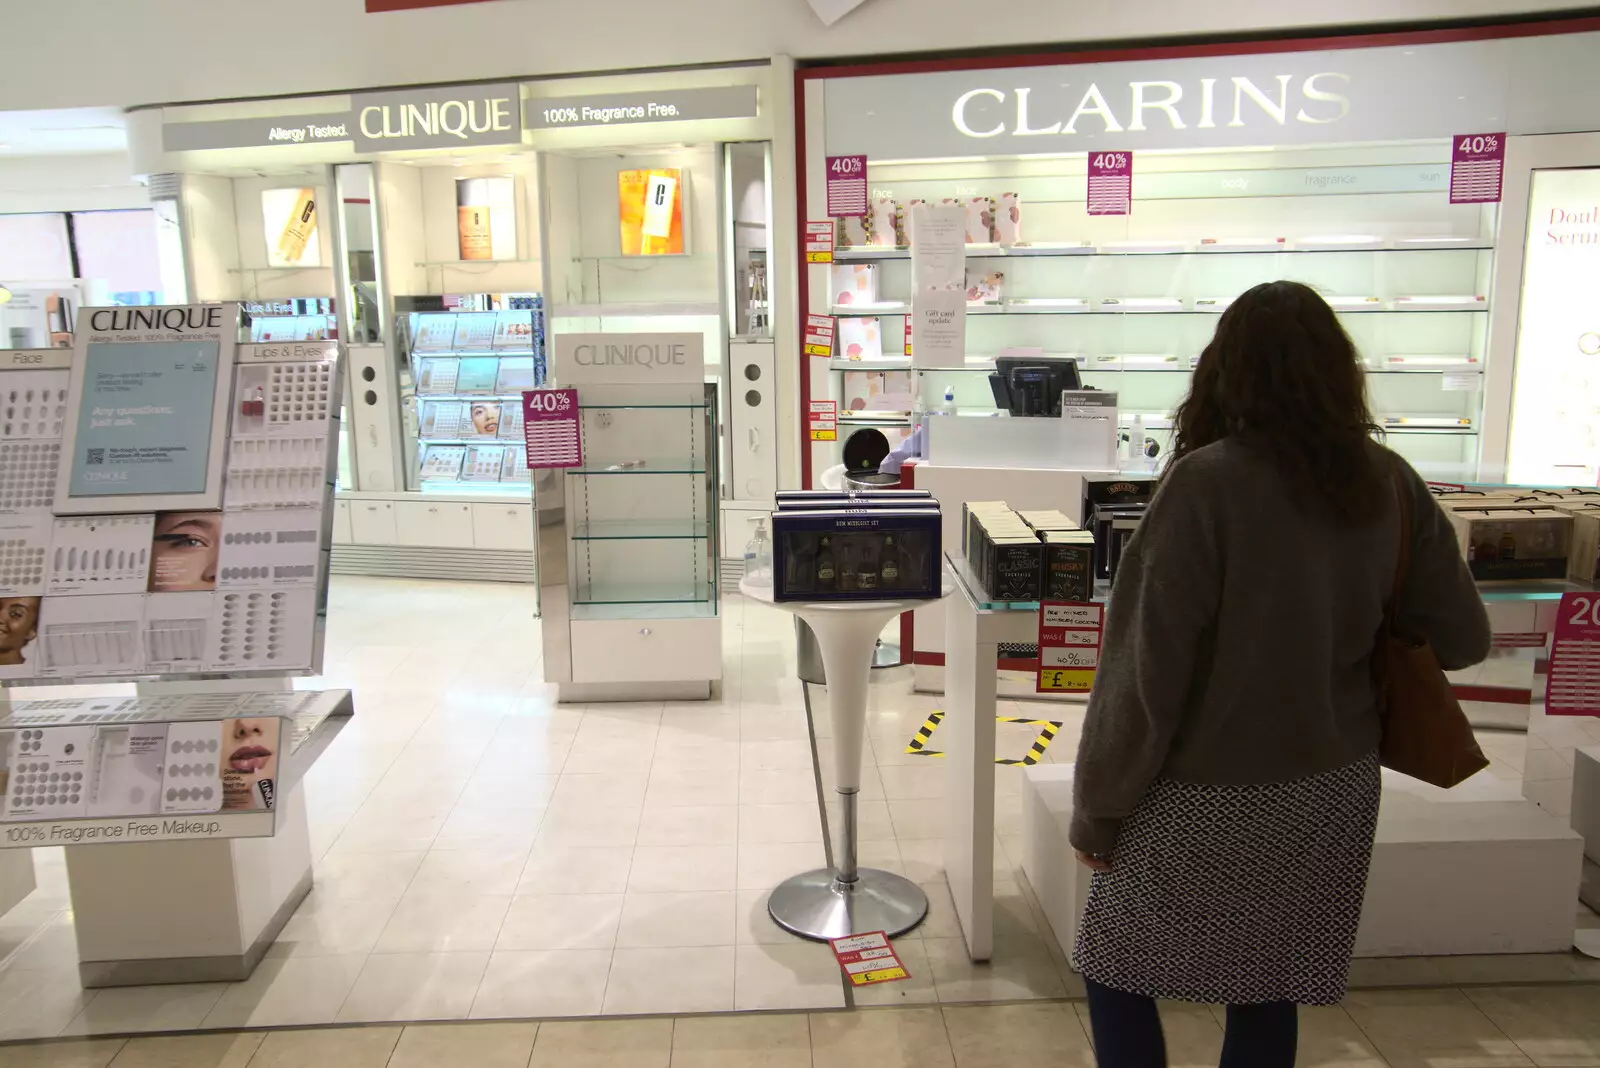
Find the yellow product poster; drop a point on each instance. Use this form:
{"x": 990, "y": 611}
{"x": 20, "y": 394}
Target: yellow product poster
{"x": 650, "y": 211}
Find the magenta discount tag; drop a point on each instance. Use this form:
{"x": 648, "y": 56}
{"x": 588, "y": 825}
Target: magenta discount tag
{"x": 1573, "y": 686}
{"x": 847, "y": 185}
{"x": 550, "y": 424}
{"x": 1477, "y": 164}
{"x": 1110, "y": 183}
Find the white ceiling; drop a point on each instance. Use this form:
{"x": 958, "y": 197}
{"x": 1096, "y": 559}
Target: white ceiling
{"x": 64, "y": 132}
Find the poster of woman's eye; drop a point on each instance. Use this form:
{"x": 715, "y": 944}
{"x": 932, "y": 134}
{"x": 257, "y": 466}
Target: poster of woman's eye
{"x": 19, "y": 634}
{"x": 184, "y": 551}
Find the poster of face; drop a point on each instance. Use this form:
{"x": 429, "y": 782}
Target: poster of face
{"x": 250, "y": 763}
{"x": 184, "y": 551}
{"x": 19, "y": 634}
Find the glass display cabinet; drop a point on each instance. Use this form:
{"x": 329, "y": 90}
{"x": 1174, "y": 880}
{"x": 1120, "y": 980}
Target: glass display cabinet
{"x": 628, "y": 567}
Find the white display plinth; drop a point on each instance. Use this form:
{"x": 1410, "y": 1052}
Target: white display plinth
{"x": 1476, "y": 870}
{"x": 835, "y": 902}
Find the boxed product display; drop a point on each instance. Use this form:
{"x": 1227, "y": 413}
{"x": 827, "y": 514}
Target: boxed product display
{"x": 1068, "y": 565}
{"x": 1583, "y": 560}
{"x": 1105, "y": 503}
{"x": 860, "y": 337}
{"x": 1027, "y": 556}
{"x": 1008, "y": 219}
{"x": 1514, "y": 543}
{"x": 859, "y": 547}
{"x": 853, "y": 283}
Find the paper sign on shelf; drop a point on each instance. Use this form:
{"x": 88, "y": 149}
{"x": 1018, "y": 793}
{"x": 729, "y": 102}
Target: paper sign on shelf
{"x": 868, "y": 958}
{"x": 1069, "y": 645}
{"x": 819, "y": 241}
{"x": 1573, "y": 686}
{"x": 819, "y": 335}
{"x": 938, "y": 247}
{"x": 1461, "y": 381}
{"x": 1477, "y": 165}
{"x": 824, "y": 420}
{"x": 1089, "y": 429}
{"x": 938, "y": 322}
{"x": 1110, "y": 183}
{"x": 847, "y": 185}
{"x": 550, "y": 427}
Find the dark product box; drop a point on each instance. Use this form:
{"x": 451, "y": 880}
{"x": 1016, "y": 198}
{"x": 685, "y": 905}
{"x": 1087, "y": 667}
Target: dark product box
{"x": 1047, "y": 519}
{"x": 1068, "y": 566}
{"x": 786, "y": 498}
{"x": 856, "y": 554}
{"x": 1104, "y": 502}
{"x": 970, "y": 513}
{"x": 1514, "y": 543}
{"x": 1583, "y": 560}
{"x": 1012, "y": 567}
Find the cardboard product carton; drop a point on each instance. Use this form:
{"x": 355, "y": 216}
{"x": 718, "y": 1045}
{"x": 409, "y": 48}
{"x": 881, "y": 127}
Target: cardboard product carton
{"x": 1514, "y": 543}
{"x": 1068, "y": 565}
{"x": 1583, "y": 560}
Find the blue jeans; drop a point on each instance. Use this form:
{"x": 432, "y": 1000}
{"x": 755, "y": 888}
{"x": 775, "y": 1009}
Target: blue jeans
{"x": 1127, "y": 1032}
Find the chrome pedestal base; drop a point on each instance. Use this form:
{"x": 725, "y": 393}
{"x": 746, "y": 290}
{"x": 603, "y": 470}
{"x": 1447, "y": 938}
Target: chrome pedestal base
{"x": 817, "y": 906}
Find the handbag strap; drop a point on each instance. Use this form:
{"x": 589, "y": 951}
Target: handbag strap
{"x": 1402, "y": 563}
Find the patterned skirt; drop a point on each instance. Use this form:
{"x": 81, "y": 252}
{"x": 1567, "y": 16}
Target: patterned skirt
{"x": 1236, "y": 894}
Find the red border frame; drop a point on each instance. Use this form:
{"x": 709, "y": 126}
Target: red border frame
{"x": 376, "y": 7}
{"x": 1335, "y": 42}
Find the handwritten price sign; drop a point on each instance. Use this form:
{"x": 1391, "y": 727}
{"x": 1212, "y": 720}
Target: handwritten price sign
{"x": 1069, "y": 645}
{"x": 1110, "y": 183}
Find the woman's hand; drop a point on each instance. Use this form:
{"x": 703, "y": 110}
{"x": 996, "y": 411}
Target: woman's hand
{"x": 1093, "y": 861}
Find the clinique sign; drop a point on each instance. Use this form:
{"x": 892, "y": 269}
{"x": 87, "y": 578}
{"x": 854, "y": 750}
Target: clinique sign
{"x": 1206, "y": 104}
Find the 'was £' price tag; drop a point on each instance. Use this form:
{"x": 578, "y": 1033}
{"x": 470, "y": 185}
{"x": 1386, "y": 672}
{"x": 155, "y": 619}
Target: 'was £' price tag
{"x": 1069, "y": 645}
{"x": 868, "y": 958}
{"x": 819, "y": 241}
{"x": 819, "y": 335}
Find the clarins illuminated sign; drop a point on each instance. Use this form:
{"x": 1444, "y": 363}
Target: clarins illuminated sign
{"x": 1135, "y": 106}
{"x": 438, "y": 118}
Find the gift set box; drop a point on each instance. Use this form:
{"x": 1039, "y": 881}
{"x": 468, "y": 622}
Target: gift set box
{"x": 1514, "y": 543}
{"x": 1108, "y": 504}
{"x": 868, "y": 546}
{"x": 1027, "y": 556}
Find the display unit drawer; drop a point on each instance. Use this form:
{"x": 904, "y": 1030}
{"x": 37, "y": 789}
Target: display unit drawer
{"x": 434, "y": 523}
{"x": 503, "y": 526}
{"x": 372, "y": 522}
{"x": 343, "y": 532}
{"x": 646, "y": 650}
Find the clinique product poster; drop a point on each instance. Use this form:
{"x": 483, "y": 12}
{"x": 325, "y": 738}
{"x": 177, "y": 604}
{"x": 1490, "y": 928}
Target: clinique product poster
{"x": 289, "y": 218}
{"x": 486, "y": 218}
{"x": 138, "y": 769}
{"x": 650, "y": 207}
{"x": 145, "y": 588}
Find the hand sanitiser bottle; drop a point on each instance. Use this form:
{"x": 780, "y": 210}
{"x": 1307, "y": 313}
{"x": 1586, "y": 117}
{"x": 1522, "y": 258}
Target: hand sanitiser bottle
{"x": 758, "y": 557}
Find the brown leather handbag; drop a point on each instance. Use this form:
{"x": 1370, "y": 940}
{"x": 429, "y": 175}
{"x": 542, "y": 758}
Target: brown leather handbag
{"x": 1425, "y": 733}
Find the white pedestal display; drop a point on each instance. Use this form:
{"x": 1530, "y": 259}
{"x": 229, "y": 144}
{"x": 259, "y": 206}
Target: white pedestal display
{"x": 845, "y": 900}
{"x": 187, "y": 912}
{"x": 1475, "y": 870}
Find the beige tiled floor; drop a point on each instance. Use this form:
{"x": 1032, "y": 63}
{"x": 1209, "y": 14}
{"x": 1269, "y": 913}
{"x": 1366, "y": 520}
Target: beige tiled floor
{"x": 483, "y": 853}
{"x": 1488, "y": 1027}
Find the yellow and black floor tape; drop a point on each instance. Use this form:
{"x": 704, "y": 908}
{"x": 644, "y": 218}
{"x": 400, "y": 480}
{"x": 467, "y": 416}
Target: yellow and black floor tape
{"x": 918, "y": 746}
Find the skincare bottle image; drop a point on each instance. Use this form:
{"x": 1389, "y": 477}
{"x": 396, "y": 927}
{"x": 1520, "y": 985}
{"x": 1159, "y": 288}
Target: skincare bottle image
{"x": 473, "y": 226}
{"x": 825, "y": 567}
{"x": 889, "y": 570}
{"x": 300, "y": 228}
{"x": 660, "y": 204}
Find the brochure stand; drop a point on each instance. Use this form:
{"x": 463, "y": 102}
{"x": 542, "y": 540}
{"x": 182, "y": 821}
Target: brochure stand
{"x": 845, "y": 900}
{"x": 165, "y": 519}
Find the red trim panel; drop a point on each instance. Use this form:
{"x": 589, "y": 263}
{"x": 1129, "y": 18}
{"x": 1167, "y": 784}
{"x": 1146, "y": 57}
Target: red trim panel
{"x": 1494, "y": 695}
{"x": 376, "y": 6}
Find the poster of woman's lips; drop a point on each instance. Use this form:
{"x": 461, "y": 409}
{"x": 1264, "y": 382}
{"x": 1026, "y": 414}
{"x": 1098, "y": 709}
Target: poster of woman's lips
{"x": 250, "y": 763}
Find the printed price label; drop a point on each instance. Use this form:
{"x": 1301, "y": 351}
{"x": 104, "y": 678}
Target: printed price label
{"x": 819, "y": 335}
{"x": 824, "y": 420}
{"x": 847, "y": 186}
{"x": 1069, "y": 645}
{"x": 1573, "y": 686}
{"x": 1110, "y": 183}
{"x": 1477, "y": 166}
{"x": 868, "y": 958}
{"x": 819, "y": 242}
{"x": 550, "y": 427}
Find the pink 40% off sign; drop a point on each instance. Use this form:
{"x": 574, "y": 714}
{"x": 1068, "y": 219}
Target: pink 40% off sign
{"x": 1110, "y": 189}
{"x": 550, "y": 426}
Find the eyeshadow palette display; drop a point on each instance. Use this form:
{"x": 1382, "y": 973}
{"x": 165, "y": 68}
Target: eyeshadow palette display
{"x": 861, "y": 547}
{"x": 174, "y": 592}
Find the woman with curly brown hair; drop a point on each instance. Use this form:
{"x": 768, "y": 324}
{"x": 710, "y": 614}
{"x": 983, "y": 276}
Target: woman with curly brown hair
{"x": 1227, "y": 783}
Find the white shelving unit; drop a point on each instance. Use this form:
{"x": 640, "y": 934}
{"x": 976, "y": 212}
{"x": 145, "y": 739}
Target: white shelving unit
{"x": 1136, "y": 298}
